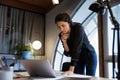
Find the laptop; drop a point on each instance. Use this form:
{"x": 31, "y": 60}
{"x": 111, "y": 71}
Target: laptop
{"x": 39, "y": 68}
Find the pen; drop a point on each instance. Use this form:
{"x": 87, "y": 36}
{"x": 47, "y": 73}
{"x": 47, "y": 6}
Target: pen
{"x": 5, "y": 61}
{"x": 2, "y": 63}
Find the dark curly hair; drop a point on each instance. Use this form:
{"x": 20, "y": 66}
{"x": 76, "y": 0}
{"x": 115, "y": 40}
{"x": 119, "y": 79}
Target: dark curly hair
{"x": 63, "y": 17}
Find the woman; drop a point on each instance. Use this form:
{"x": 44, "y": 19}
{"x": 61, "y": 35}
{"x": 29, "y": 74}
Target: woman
{"x": 76, "y": 45}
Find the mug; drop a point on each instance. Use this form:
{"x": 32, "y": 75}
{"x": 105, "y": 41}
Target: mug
{"x": 6, "y": 74}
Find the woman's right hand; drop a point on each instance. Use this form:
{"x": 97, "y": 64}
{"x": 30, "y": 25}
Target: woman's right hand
{"x": 64, "y": 36}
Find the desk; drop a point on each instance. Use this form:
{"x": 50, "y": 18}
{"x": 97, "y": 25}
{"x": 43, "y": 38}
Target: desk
{"x": 78, "y": 76}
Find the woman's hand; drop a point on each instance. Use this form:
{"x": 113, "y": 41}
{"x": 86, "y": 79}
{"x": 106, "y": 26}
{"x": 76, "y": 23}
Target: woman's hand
{"x": 67, "y": 72}
{"x": 70, "y": 71}
{"x": 64, "y": 36}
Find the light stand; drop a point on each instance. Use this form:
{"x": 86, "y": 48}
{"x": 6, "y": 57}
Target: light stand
{"x": 99, "y": 8}
{"x": 116, "y": 28}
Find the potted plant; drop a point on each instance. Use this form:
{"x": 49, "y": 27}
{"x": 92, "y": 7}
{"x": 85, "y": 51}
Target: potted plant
{"x": 19, "y": 49}
{"x": 24, "y": 51}
{"x": 27, "y": 51}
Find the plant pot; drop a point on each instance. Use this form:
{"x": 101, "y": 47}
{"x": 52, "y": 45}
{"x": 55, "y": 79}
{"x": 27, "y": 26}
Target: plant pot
{"x": 27, "y": 54}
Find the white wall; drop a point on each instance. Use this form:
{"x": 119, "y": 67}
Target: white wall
{"x": 51, "y": 31}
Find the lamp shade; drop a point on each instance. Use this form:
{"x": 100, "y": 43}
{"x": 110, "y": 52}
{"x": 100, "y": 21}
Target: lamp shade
{"x": 97, "y": 7}
{"x": 37, "y": 44}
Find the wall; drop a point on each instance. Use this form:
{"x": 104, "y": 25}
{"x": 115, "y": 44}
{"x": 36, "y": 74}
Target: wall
{"x": 51, "y": 31}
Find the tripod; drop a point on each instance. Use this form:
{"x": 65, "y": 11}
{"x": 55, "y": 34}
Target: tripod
{"x": 116, "y": 28}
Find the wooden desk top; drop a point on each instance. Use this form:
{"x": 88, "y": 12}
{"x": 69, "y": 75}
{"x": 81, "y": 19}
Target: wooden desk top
{"x": 65, "y": 77}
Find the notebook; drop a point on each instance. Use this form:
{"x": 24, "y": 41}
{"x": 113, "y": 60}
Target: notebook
{"x": 39, "y": 68}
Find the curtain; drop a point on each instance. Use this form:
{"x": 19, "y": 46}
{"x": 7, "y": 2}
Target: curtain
{"x": 3, "y": 29}
{"x": 19, "y": 26}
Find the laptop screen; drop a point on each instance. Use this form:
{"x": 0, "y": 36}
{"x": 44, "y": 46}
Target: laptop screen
{"x": 38, "y": 68}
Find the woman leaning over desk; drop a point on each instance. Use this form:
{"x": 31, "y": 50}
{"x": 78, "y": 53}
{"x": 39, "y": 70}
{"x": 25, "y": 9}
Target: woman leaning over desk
{"x": 76, "y": 45}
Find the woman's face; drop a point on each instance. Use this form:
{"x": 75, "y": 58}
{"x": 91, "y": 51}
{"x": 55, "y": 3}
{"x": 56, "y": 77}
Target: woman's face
{"x": 64, "y": 27}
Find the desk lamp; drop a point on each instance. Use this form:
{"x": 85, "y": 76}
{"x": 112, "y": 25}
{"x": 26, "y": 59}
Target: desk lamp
{"x": 36, "y": 46}
{"x": 55, "y": 2}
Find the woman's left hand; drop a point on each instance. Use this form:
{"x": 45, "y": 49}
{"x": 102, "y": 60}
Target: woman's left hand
{"x": 67, "y": 72}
